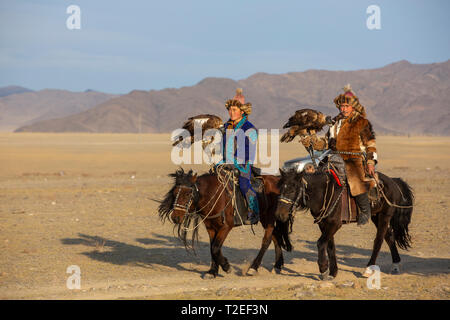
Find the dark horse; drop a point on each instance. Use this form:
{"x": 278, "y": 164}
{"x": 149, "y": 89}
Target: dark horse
{"x": 391, "y": 214}
{"x": 208, "y": 199}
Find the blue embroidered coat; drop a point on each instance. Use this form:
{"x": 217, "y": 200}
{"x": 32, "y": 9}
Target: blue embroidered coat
{"x": 239, "y": 148}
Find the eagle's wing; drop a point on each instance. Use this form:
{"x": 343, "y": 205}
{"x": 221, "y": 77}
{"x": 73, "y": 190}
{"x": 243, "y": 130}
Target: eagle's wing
{"x": 302, "y": 122}
{"x": 292, "y": 133}
{"x": 203, "y": 121}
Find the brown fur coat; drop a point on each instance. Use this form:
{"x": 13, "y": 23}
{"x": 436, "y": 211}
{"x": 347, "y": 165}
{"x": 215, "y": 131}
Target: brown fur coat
{"x": 353, "y": 134}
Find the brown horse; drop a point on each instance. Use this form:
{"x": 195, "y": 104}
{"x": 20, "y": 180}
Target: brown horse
{"x": 318, "y": 190}
{"x": 208, "y": 199}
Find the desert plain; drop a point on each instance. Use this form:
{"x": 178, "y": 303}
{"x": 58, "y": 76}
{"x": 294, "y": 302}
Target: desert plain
{"x": 87, "y": 200}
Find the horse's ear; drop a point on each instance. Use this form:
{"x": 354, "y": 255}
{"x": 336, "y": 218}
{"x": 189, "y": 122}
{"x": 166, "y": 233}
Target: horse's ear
{"x": 179, "y": 172}
{"x": 281, "y": 172}
{"x": 194, "y": 177}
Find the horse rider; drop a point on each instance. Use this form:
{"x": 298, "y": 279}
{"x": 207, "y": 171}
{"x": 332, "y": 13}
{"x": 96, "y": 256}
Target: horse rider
{"x": 353, "y": 137}
{"x": 239, "y": 148}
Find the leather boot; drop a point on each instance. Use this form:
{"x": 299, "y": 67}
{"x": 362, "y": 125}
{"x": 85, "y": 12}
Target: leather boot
{"x": 363, "y": 203}
{"x": 253, "y": 213}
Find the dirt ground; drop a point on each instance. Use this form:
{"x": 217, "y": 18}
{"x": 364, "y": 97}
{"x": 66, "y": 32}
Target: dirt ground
{"x": 86, "y": 200}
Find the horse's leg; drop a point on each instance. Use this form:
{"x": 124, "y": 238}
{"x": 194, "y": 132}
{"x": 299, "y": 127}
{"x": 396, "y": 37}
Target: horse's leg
{"x": 214, "y": 269}
{"x": 389, "y": 237}
{"x": 331, "y": 250}
{"x": 216, "y": 254}
{"x": 322, "y": 261}
{"x": 382, "y": 224}
{"x": 221, "y": 236}
{"x": 223, "y": 262}
{"x": 322, "y": 244}
{"x": 328, "y": 229}
{"x": 279, "y": 260}
{"x": 267, "y": 239}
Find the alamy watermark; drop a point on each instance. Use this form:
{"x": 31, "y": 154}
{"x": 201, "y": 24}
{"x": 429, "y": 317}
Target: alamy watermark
{"x": 74, "y": 280}
{"x": 373, "y": 22}
{"x": 74, "y": 20}
{"x": 211, "y": 150}
{"x": 374, "y": 280}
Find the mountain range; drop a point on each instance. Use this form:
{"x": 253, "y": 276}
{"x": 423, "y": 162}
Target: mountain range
{"x": 25, "y": 106}
{"x": 400, "y": 98}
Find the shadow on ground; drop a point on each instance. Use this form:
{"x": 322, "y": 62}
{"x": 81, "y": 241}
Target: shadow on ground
{"x": 172, "y": 253}
{"x": 355, "y": 257}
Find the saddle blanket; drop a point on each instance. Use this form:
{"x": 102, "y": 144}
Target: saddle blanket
{"x": 349, "y": 209}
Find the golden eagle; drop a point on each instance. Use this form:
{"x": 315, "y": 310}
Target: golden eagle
{"x": 304, "y": 122}
{"x": 204, "y": 121}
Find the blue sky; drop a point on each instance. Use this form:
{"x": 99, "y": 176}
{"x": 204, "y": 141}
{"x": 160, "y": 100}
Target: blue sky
{"x": 126, "y": 45}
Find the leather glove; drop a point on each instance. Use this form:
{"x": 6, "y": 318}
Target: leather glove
{"x": 318, "y": 143}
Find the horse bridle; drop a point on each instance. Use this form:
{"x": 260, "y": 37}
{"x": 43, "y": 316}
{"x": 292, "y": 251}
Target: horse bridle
{"x": 295, "y": 203}
{"x": 192, "y": 197}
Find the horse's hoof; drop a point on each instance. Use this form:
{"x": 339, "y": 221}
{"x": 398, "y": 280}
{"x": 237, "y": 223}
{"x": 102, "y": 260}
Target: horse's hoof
{"x": 277, "y": 270}
{"x": 227, "y": 270}
{"x": 325, "y": 276}
{"x": 208, "y": 276}
{"x": 333, "y": 274}
{"x": 395, "y": 268}
{"x": 252, "y": 272}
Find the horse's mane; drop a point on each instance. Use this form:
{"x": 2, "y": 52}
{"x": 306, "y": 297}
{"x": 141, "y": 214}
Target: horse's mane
{"x": 180, "y": 177}
{"x": 289, "y": 175}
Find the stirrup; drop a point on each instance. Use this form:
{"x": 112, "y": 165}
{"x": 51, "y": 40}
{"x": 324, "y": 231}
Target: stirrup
{"x": 254, "y": 219}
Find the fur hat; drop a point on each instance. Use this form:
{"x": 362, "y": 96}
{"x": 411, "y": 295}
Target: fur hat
{"x": 349, "y": 97}
{"x": 239, "y": 96}
{"x": 239, "y": 101}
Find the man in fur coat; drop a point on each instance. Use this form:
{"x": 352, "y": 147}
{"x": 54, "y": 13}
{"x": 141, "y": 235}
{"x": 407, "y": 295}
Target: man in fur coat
{"x": 351, "y": 136}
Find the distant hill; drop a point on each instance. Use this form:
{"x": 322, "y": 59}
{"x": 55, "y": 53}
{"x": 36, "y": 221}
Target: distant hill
{"x": 399, "y": 98}
{"x": 24, "y": 108}
{"x": 6, "y": 91}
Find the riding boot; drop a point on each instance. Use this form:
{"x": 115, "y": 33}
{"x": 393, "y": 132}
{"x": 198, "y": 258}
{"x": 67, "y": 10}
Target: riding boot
{"x": 253, "y": 210}
{"x": 363, "y": 203}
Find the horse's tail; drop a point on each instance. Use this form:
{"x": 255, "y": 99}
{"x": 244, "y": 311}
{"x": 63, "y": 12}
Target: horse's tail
{"x": 402, "y": 216}
{"x": 282, "y": 231}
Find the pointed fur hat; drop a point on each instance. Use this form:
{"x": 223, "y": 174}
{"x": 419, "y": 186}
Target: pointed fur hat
{"x": 349, "y": 97}
{"x": 239, "y": 101}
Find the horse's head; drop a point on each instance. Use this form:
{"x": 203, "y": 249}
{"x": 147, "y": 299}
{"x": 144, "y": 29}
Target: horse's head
{"x": 292, "y": 193}
{"x": 182, "y": 198}
{"x": 186, "y": 194}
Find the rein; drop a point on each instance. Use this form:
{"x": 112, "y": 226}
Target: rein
{"x": 229, "y": 175}
{"x": 387, "y": 200}
{"x": 327, "y": 206}
{"x": 326, "y": 209}
{"x": 295, "y": 203}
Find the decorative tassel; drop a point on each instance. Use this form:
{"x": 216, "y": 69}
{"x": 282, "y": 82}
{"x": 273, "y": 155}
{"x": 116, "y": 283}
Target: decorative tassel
{"x": 348, "y": 88}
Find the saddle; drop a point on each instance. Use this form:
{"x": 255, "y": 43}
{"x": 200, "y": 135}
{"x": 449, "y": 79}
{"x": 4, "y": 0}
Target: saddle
{"x": 349, "y": 208}
{"x": 241, "y": 208}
